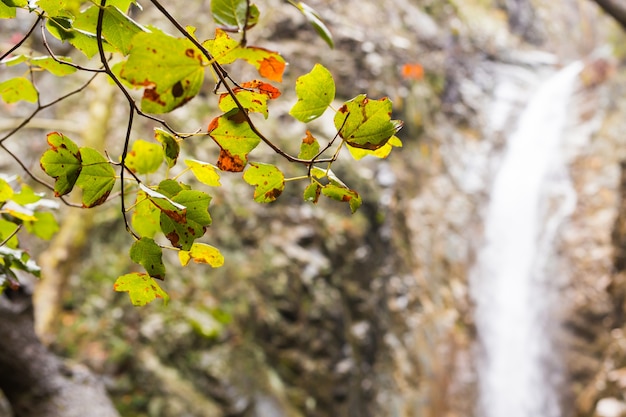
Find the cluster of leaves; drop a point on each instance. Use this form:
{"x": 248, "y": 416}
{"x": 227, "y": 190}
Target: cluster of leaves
{"x": 21, "y": 209}
{"x": 169, "y": 71}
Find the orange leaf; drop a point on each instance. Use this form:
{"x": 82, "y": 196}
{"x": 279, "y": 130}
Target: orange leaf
{"x": 263, "y": 88}
{"x": 272, "y": 69}
{"x": 412, "y": 71}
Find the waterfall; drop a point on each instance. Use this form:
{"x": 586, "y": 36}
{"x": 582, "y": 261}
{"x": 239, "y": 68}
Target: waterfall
{"x": 530, "y": 197}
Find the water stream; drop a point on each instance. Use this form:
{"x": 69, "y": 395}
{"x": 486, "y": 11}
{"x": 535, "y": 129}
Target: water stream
{"x": 530, "y": 197}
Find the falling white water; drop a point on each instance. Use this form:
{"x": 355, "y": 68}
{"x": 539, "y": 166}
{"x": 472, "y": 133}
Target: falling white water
{"x": 531, "y": 196}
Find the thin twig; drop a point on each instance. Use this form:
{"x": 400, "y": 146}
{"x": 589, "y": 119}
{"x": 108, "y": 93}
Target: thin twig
{"x": 33, "y": 176}
{"x": 44, "y": 40}
{"x": 328, "y": 146}
{"x": 131, "y": 104}
{"x": 17, "y": 229}
{"x": 17, "y": 45}
{"x": 45, "y": 106}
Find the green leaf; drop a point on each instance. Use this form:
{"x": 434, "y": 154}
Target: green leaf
{"x": 252, "y": 101}
{"x": 202, "y": 253}
{"x": 170, "y": 188}
{"x": 19, "y": 259}
{"x": 253, "y": 96}
{"x": 8, "y": 8}
{"x": 171, "y": 70}
{"x": 334, "y": 189}
{"x": 314, "y": 19}
{"x": 63, "y": 29}
{"x": 177, "y": 212}
{"x": 365, "y": 123}
{"x": 62, "y": 162}
{"x": 14, "y": 60}
{"x": 310, "y": 147}
{"x": 117, "y": 28}
{"x": 148, "y": 254}
{"x": 315, "y": 91}
{"x": 54, "y": 67}
{"x": 15, "y": 3}
{"x": 268, "y": 180}
{"x": 183, "y": 234}
{"x": 141, "y": 288}
{"x": 235, "y": 138}
{"x": 204, "y": 172}
{"x": 234, "y": 15}
{"x": 96, "y": 178}
{"x": 16, "y": 89}
{"x": 197, "y": 204}
{"x": 144, "y": 157}
{"x": 339, "y": 193}
{"x": 8, "y": 228}
{"x": 55, "y": 8}
{"x": 44, "y": 227}
{"x": 123, "y": 5}
{"x": 382, "y": 152}
{"x": 170, "y": 145}
{"x": 312, "y": 192}
{"x": 146, "y": 216}
{"x": 223, "y": 48}
{"x": 6, "y": 191}
{"x": 26, "y": 196}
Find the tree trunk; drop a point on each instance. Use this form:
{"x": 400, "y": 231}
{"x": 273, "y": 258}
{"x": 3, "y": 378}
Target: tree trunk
{"x": 35, "y": 381}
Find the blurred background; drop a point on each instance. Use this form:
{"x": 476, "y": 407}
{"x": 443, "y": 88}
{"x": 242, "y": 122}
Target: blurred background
{"x": 483, "y": 276}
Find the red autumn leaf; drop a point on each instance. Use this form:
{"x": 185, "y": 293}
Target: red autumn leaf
{"x": 263, "y": 88}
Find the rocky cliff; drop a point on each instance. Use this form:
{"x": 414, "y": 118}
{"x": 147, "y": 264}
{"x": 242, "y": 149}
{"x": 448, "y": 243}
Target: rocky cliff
{"x": 321, "y": 314}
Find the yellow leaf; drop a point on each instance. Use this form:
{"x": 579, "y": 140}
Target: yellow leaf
{"x": 202, "y": 253}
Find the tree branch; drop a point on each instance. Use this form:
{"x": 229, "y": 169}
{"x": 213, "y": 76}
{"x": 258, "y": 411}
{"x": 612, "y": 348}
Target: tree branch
{"x": 35, "y": 381}
{"x": 614, "y": 8}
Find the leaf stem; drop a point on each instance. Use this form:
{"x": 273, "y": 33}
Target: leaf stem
{"x": 301, "y": 177}
{"x": 17, "y": 229}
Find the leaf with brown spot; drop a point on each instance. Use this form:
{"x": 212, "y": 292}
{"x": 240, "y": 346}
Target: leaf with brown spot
{"x": 268, "y": 180}
{"x": 262, "y": 87}
{"x": 382, "y": 152}
{"x": 148, "y": 254}
{"x": 365, "y": 123}
{"x": 226, "y": 50}
{"x": 235, "y": 138}
{"x": 171, "y": 148}
{"x": 183, "y": 234}
{"x": 141, "y": 288}
{"x": 97, "y": 177}
{"x": 171, "y": 69}
{"x": 252, "y": 95}
{"x": 144, "y": 157}
{"x": 339, "y": 193}
{"x": 310, "y": 147}
{"x": 312, "y": 192}
{"x": 202, "y": 253}
{"x": 62, "y": 162}
{"x": 177, "y": 212}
